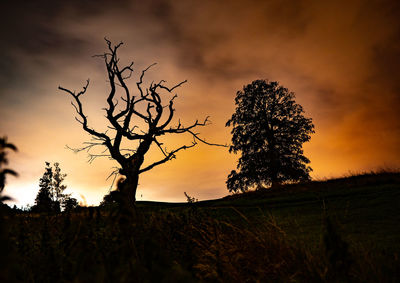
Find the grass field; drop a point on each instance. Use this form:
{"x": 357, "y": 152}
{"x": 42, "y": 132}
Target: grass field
{"x": 365, "y": 209}
{"x": 342, "y": 230}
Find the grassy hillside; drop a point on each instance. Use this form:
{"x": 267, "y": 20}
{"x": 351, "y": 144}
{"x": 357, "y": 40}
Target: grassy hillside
{"x": 342, "y": 230}
{"x": 365, "y": 208}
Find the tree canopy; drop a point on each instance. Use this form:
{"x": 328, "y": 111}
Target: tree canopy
{"x": 51, "y": 196}
{"x": 4, "y": 146}
{"x": 43, "y": 201}
{"x": 269, "y": 129}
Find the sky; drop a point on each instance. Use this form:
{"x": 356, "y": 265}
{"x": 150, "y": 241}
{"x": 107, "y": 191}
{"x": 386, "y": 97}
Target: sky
{"x": 340, "y": 58}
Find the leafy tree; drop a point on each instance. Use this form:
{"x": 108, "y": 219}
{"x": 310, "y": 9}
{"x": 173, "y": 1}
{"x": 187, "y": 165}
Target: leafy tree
{"x": 70, "y": 203}
{"x": 269, "y": 129}
{"x": 6, "y": 254}
{"x": 50, "y": 196}
{"x": 58, "y": 187}
{"x": 4, "y": 145}
{"x": 113, "y": 197}
{"x": 139, "y": 121}
{"x": 43, "y": 201}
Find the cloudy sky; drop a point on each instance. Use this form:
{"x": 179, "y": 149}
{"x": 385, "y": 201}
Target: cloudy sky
{"x": 341, "y": 58}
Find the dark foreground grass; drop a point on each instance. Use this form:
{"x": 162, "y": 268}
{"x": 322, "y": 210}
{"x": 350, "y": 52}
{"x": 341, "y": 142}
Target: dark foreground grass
{"x": 334, "y": 231}
{"x": 365, "y": 209}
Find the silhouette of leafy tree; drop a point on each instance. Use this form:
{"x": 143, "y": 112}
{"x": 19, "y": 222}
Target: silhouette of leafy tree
{"x": 113, "y": 197}
{"x": 6, "y": 256}
{"x": 57, "y": 188}
{"x": 50, "y": 196}
{"x": 269, "y": 129}
{"x": 70, "y": 203}
{"x": 43, "y": 201}
{"x": 151, "y": 106}
{"x": 4, "y": 145}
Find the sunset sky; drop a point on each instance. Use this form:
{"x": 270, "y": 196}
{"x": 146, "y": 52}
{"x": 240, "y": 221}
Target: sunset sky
{"x": 341, "y": 58}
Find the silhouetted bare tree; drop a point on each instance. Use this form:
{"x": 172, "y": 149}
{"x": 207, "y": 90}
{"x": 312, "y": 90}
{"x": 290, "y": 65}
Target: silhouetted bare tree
{"x": 147, "y": 106}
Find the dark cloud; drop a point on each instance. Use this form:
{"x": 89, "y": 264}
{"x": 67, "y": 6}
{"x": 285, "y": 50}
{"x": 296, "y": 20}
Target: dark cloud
{"x": 207, "y": 34}
{"x": 33, "y": 29}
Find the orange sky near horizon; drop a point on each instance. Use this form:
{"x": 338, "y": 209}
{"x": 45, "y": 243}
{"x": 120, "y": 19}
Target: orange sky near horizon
{"x": 341, "y": 59}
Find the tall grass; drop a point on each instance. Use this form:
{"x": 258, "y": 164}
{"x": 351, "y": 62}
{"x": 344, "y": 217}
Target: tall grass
{"x": 188, "y": 245}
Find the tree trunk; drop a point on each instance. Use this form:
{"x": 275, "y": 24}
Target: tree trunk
{"x": 275, "y": 182}
{"x": 131, "y": 170}
{"x": 128, "y": 189}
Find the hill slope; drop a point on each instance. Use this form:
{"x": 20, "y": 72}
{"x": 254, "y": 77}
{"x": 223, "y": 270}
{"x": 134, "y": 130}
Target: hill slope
{"x": 364, "y": 207}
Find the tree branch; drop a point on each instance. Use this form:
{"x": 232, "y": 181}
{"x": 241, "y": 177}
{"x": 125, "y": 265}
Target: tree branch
{"x": 168, "y": 157}
{"x": 79, "y": 111}
{"x": 146, "y": 106}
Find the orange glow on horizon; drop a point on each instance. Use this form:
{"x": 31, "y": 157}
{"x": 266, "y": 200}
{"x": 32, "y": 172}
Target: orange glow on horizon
{"x": 342, "y": 63}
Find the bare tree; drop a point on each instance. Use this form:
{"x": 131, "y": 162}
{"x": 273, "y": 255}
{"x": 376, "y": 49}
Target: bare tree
{"x": 145, "y": 107}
